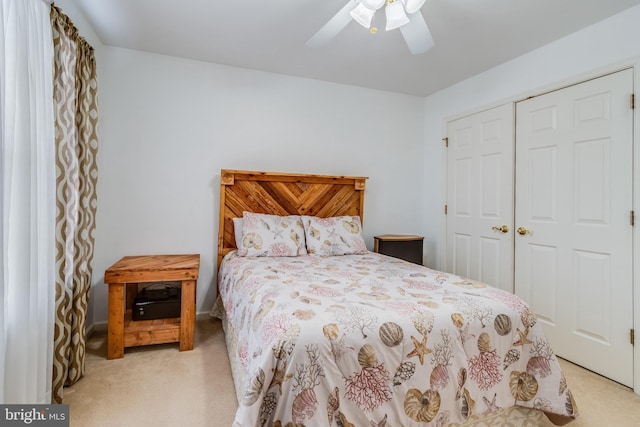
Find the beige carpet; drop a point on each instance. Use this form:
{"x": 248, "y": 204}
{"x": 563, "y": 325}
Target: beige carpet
{"x": 161, "y": 386}
{"x": 156, "y": 385}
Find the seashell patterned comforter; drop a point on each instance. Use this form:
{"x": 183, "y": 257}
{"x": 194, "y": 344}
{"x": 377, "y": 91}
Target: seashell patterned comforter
{"x": 370, "y": 340}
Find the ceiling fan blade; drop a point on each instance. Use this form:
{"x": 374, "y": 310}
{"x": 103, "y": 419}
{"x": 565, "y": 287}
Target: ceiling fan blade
{"x": 336, "y": 24}
{"x": 417, "y": 34}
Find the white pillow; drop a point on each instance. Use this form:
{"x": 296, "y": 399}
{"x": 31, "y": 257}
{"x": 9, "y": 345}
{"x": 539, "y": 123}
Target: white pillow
{"x": 237, "y": 231}
{"x": 338, "y": 235}
{"x": 271, "y": 235}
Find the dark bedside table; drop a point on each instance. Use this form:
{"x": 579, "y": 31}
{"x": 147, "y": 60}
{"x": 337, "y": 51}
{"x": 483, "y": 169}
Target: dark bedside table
{"x": 406, "y": 247}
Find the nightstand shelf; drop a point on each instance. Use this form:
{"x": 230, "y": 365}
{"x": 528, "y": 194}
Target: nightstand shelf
{"x": 144, "y": 332}
{"x": 403, "y": 246}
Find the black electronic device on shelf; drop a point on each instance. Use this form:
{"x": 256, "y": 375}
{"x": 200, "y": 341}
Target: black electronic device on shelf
{"x": 157, "y": 302}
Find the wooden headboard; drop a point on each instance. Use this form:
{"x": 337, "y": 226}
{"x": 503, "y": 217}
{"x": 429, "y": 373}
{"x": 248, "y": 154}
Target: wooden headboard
{"x": 284, "y": 194}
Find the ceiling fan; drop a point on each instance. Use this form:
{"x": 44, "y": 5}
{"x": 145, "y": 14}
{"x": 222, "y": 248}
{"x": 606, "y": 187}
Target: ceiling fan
{"x": 402, "y": 14}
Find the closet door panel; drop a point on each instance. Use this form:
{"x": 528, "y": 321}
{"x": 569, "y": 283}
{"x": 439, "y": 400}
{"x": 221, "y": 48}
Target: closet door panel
{"x": 479, "y": 229}
{"x": 573, "y": 198}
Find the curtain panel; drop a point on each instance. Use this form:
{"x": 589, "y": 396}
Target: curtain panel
{"x": 76, "y": 143}
{"x": 27, "y": 188}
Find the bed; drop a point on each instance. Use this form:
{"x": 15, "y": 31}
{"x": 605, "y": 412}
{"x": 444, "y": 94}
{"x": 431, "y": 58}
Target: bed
{"x": 322, "y": 332}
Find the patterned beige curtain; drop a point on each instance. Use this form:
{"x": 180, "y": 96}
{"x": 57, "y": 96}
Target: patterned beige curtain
{"x": 76, "y": 118}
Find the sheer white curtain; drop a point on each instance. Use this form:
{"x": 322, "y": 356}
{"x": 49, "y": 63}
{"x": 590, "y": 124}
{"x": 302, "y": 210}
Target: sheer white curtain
{"x": 27, "y": 202}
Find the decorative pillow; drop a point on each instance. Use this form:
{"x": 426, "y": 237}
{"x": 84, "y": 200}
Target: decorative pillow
{"x": 237, "y": 231}
{"x": 338, "y": 235}
{"x": 271, "y": 235}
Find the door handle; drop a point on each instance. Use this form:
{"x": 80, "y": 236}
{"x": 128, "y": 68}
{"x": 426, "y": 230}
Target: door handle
{"x": 504, "y": 229}
{"x": 522, "y": 231}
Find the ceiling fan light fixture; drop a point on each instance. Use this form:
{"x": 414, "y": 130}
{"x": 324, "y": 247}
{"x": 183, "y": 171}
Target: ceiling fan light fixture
{"x": 412, "y": 6}
{"x": 363, "y": 15}
{"x": 413, "y": 27}
{"x": 396, "y": 17}
{"x": 373, "y": 4}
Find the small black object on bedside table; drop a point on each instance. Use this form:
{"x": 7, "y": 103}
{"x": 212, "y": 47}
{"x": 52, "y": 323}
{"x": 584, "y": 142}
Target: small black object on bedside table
{"x": 406, "y": 247}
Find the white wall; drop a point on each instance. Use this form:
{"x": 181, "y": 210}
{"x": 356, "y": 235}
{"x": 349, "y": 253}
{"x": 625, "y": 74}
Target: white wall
{"x": 168, "y": 125}
{"x": 601, "y": 45}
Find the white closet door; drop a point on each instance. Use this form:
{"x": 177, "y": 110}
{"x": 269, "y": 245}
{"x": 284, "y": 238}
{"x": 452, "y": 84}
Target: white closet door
{"x": 573, "y": 263}
{"x": 479, "y": 235}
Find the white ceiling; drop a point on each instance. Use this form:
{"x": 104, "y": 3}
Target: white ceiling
{"x": 471, "y": 36}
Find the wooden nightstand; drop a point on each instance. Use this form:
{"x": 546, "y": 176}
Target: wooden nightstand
{"x": 406, "y": 247}
{"x": 132, "y": 270}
